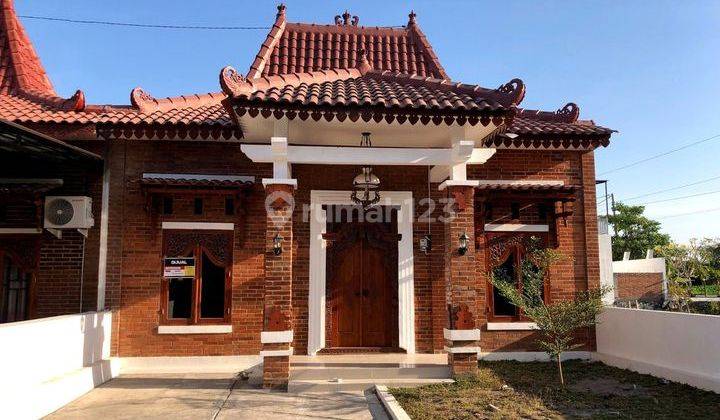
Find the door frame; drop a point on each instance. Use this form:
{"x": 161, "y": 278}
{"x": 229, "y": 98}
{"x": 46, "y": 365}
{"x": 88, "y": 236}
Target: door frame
{"x": 406, "y": 284}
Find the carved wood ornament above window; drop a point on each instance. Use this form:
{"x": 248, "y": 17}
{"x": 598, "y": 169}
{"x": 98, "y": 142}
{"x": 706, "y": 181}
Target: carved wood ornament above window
{"x": 217, "y": 246}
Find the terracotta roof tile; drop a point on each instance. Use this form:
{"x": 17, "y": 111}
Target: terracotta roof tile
{"x": 25, "y": 110}
{"x": 527, "y": 187}
{"x": 194, "y": 182}
{"x": 20, "y": 67}
{"x": 302, "y": 48}
{"x": 351, "y": 87}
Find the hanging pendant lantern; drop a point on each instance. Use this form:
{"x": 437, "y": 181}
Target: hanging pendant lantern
{"x": 366, "y": 186}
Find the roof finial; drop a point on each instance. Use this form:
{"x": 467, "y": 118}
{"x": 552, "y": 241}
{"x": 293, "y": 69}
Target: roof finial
{"x": 281, "y": 10}
{"x": 344, "y": 19}
{"x": 412, "y": 15}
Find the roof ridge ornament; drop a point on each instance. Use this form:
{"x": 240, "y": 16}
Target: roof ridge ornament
{"x": 232, "y": 82}
{"x": 411, "y": 18}
{"x": 345, "y": 19}
{"x": 514, "y": 88}
{"x": 281, "y": 10}
{"x": 569, "y": 113}
{"x": 142, "y": 100}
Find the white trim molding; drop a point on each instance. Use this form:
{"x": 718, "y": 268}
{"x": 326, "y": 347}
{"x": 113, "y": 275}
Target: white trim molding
{"x": 461, "y": 183}
{"x": 198, "y": 226}
{"x": 276, "y": 353}
{"x": 272, "y": 337}
{"x": 461, "y": 335}
{"x": 521, "y": 182}
{"x": 194, "y": 329}
{"x": 20, "y": 231}
{"x": 339, "y": 155}
{"x": 511, "y": 326}
{"x": 515, "y": 227}
{"x": 463, "y": 350}
{"x": 279, "y": 181}
{"x": 406, "y": 282}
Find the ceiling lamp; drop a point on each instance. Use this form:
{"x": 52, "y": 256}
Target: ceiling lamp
{"x": 366, "y": 185}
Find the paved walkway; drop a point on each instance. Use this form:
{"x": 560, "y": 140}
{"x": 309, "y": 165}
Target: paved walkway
{"x": 209, "y": 396}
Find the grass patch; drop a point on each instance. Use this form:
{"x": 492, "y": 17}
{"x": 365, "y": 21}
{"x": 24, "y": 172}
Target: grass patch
{"x": 707, "y": 290}
{"x": 531, "y": 390}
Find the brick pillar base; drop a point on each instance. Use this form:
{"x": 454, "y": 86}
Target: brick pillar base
{"x": 463, "y": 363}
{"x": 276, "y": 369}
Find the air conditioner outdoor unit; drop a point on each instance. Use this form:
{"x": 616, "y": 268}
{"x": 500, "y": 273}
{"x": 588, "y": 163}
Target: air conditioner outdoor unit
{"x": 68, "y": 212}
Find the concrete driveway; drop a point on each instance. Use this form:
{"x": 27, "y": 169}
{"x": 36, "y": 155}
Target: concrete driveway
{"x": 211, "y": 396}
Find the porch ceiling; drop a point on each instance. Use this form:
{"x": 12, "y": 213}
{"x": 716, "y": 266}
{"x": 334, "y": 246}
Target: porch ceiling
{"x": 21, "y": 141}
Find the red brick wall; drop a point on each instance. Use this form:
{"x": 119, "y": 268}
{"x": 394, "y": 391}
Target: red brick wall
{"x": 134, "y": 262}
{"x": 639, "y": 286}
{"x": 581, "y": 267}
{"x": 133, "y": 279}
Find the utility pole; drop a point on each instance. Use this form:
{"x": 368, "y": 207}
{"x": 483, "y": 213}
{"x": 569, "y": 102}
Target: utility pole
{"x": 604, "y": 181}
{"x": 612, "y": 197}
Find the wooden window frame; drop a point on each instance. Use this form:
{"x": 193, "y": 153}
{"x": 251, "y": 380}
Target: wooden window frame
{"x": 25, "y": 267}
{"x": 196, "y": 250}
{"x": 519, "y": 250}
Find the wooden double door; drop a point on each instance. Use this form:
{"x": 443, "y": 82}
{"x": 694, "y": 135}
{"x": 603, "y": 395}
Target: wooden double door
{"x": 362, "y": 285}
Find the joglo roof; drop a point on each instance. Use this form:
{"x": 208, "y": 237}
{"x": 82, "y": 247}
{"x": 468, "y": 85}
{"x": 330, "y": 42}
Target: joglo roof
{"x": 335, "y": 71}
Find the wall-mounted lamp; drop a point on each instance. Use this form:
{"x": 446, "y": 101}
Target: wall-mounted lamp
{"x": 277, "y": 244}
{"x": 464, "y": 241}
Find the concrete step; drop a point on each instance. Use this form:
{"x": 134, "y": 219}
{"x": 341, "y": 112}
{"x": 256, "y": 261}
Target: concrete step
{"x": 348, "y": 385}
{"x": 333, "y": 371}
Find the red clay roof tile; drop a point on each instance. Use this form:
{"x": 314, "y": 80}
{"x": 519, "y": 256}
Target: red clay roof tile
{"x": 20, "y": 67}
{"x": 302, "y": 48}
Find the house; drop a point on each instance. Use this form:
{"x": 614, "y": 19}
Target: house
{"x": 344, "y": 195}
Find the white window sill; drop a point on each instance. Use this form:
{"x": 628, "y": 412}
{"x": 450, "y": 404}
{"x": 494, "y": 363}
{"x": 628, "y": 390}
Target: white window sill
{"x": 511, "y": 326}
{"x": 194, "y": 329}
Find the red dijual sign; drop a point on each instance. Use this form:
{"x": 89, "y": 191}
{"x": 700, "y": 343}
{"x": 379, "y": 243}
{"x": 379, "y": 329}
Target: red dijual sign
{"x": 179, "y": 267}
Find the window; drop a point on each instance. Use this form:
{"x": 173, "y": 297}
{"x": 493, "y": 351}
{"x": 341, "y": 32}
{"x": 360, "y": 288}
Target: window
{"x": 515, "y": 211}
{"x": 511, "y": 249}
{"x": 542, "y": 212}
{"x": 14, "y": 290}
{"x": 196, "y": 277}
{"x": 229, "y": 206}
{"x": 167, "y": 205}
{"x": 198, "y": 206}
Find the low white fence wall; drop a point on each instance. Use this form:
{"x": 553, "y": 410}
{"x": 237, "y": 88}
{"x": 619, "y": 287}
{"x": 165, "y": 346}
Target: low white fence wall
{"x": 673, "y": 345}
{"x": 46, "y": 363}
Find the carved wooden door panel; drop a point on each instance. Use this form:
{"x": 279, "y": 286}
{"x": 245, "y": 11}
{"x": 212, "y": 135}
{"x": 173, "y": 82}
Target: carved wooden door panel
{"x": 345, "y": 298}
{"x": 377, "y": 298}
{"x": 362, "y": 286}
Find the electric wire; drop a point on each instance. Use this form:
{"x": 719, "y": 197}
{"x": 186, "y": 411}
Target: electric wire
{"x": 672, "y": 188}
{"x": 659, "y": 155}
{"x": 155, "y": 26}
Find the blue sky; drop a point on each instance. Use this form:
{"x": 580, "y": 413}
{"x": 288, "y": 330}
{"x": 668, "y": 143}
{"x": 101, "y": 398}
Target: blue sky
{"x": 646, "y": 68}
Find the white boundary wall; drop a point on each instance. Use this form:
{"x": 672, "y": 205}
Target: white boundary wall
{"x": 673, "y": 345}
{"x": 46, "y": 363}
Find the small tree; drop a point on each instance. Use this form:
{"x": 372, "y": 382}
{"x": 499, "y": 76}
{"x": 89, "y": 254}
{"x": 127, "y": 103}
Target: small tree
{"x": 557, "y": 321}
{"x": 634, "y": 231}
{"x": 685, "y": 264}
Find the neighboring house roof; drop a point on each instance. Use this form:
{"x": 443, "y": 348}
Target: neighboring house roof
{"x": 303, "y": 48}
